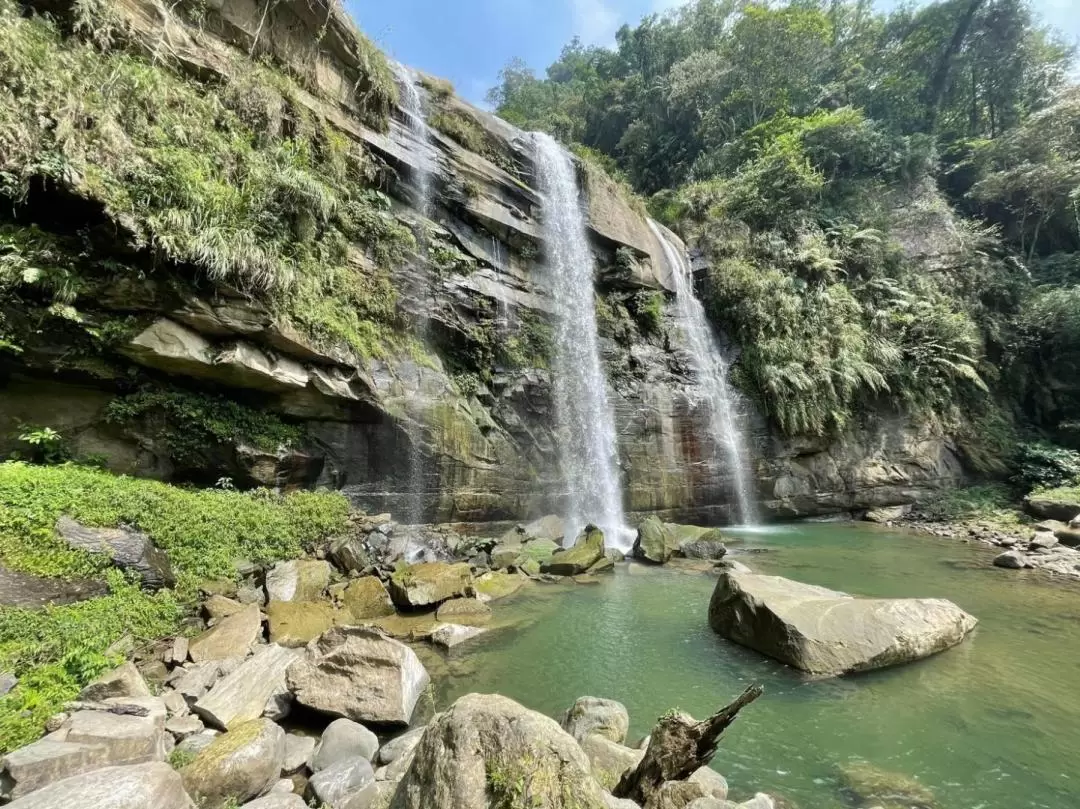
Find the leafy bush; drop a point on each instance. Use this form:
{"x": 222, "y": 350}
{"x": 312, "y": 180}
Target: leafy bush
{"x": 1041, "y": 465}
{"x": 982, "y": 503}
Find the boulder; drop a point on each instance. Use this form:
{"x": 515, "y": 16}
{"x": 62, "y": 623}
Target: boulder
{"x": 703, "y": 549}
{"x": 1068, "y": 535}
{"x": 360, "y": 674}
{"x": 349, "y": 555}
{"x": 373, "y": 796}
{"x": 550, "y": 528}
{"x": 399, "y": 746}
{"x": 242, "y": 764}
{"x": 762, "y": 801}
{"x": 655, "y": 541}
{"x": 298, "y": 580}
{"x": 825, "y": 632}
{"x": 278, "y": 800}
{"x": 180, "y": 727}
{"x": 464, "y": 611}
{"x": 133, "y": 737}
{"x": 344, "y": 739}
{"x": 714, "y": 784}
{"x": 507, "y": 554}
{"x": 154, "y": 784}
{"x": 450, "y": 635}
{"x": 366, "y": 598}
{"x": 26, "y": 591}
{"x": 595, "y": 715}
{"x": 200, "y": 741}
{"x": 298, "y": 752}
{"x": 676, "y": 795}
{"x": 539, "y": 550}
{"x": 608, "y": 759}
{"x": 711, "y": 803}
{"x": 1014, "y": 560}
{"x": 587, "y": 551}
{"x": 195, "y": 679}
{"x": 333, "y": 785}
{"x": 1045, "y": 508}
{"x": 872, "y": 786}
{"x": 429, "y": 583}
{"x": 604, "y": 565}
{"x": 129, "y": 550}
{"x": 619, "y": 803}
{"x": 230, "y": 637}
{"x": 484, "y": 748}
{"x": 123, "y": 681}
{"x": 297, "y": 623}
{"x": 497, "y": 584}
{"x": 254, "y": 689}
{"x": 887, "y": 514}
{"x": 217, "y": 607}
{"x": 42, "y": 762}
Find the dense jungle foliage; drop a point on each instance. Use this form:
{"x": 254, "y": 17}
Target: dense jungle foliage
{"x": 890, "y": 202}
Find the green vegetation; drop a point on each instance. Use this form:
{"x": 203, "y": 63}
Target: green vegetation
{"x": 189, "y": 423}
{"x": 235, "y": 180}
{"x": 990, "y": 504}
{"x": 889, "y": 200}
{"x": 56, "y": 651}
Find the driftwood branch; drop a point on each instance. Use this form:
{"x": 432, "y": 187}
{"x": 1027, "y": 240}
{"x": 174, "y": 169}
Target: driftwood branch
{"x": 677, "y": 747}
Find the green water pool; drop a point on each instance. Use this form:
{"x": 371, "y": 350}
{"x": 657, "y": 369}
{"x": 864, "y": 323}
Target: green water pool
{"x": 991, "y": 724}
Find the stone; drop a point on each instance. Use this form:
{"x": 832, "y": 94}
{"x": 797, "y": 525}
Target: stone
{"x": 278, "y": 800}
{"x": 366, "y": 598}
{"x": 153, "y": 784}
{"x": 595, "y": 715}
{"x": 232, "y": 636}
{"x": 349, "y": 555}
{"x": 42, "y": 762}
{"x": 550, "y": 528}
{"x": 195, "y": 680}
{"x": 7, "y": 682}
{"x": 131, "y": 551}
{"x": 256, "y": 686}
{"x": 711, "y": 803}
{"x": 374, "y": 796}
{"x": 429, "y": 583}
{"x": 399, "y": 746}
{"x": 714, "y": 784}
{"x": 242, "y": 764}
{"x": 333, "y": 785}
{"x": 1043, "y": 539}
{"x": 871, "y": 786}
{"x": 199, "y": 741}
{"x": 887, "y": 514}
{"x": 298, "y": 580}
{"x": 676, "y": 795}
{"x": 125, "y": 739}
{"x": 450, "y": 635}
{"x": 1014, "y": 560}
{"x": 611, "y": 802}
{"x": 587, "y": 551}
{"x": 123, "y": 681}
{"x": 1043, "y": 508}
{"x": 540, "y": 550}
{"x": 464, "y": 611}
{"x": 183, "y": 726}
{"x": 763, "y": 801}
{"x": 344, "y": 739}
{"x": 27, "y": 591}
{"x": 609, "y": 759}
{"x": 655, "y": 541}
{"x": 1068, "y": 535}
{"x": 217, "y": 607}
{"x": 825, "y": 632}
{"x": 298, "y": 752}
{"x": 250, "y": 593}
{"x": 604, "y": 565}
{"x": 531, "y": 568}
{"x": 484, "y": 739}
{"x": 296, "y": 623}
{"x": 498, "y": 584}
{"x": 360, "y": 674}
{"x": 507, "y": 554}
{"x": 179, "y": 653}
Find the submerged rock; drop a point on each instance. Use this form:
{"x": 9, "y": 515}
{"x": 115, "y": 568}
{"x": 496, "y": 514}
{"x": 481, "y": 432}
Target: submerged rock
{"x": 497, "y": 584}
{"x": 464, "y": 611}
{"x": 450, "y": 635}
{"x": 360, "y": 674}
{"x": 872, "y": 786}
{"x": 587, "y": 551}
{"x": 429, "y": 583}
{"x": 483, "y": 748}
{"x": 825, "y": 632}
{"x": 129, "y": 550}
{"x": 145, "y": 786}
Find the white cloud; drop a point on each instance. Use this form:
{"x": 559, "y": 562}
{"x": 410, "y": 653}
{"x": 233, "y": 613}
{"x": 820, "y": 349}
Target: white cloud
{"x": 595, "y": 21}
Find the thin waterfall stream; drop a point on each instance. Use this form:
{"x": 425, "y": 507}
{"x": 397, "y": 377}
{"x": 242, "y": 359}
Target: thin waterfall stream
{"x": 708, "y": 363}
{"x": 585, "y": 420}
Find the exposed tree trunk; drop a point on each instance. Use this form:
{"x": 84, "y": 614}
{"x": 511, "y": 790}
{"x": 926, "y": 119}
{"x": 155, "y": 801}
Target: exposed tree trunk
{"x": 677, "y": 747}
{"x": 940, "y": 80}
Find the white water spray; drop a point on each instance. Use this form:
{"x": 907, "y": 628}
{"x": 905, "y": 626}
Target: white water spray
{"x": 585, "y": 421}
{"x": 711, "y": 370}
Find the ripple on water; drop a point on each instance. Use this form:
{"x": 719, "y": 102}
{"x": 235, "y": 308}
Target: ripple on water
{"x": 994, "y": 722}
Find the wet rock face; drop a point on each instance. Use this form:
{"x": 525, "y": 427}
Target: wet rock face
{"x": 828, "y": 633}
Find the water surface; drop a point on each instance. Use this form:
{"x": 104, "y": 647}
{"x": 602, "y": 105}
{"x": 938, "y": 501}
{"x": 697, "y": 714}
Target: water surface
{"x": 991, "y": 724}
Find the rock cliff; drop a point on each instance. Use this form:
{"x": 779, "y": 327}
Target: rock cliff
{"x": 451, "y": 422}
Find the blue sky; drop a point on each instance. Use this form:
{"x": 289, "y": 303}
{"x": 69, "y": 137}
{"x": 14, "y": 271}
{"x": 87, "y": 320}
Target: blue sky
{"x": 469, "y": 41}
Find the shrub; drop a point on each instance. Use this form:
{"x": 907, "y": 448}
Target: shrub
{"x": 1041, "y": 465}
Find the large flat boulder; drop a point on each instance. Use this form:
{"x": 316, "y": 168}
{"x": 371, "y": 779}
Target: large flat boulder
{"x": 129, "y": 550}
{"x": 239, "y": 765}
{"x": 296, "y": 623}
{"x": 145, "y": 786}
{"x": 360, "y": 674}
{"x": 256, "y": 688}
{"x": 230, "y": 637}
{"x": 45, "y": 761}
{"x": 826, "y": 632}
{"x": 298, "y": 580}
{"x": 429, "y": 583}
{"x": 123, "y": 681}
{"x": 484, "y": 748}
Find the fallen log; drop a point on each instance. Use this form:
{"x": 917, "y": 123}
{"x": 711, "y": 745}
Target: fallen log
{"x": 679, "y": 745}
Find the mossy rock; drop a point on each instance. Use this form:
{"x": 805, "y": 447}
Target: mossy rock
{"x": 506, "y": 555}
{"x": 530, "y": 567}
{"x": 656, "y": 541}
{"x": 496, "y": 585}
{"x": 366, "y": 598}
{"x": 464, "y": 611}
{"x": 297, "y": 623}
{"x": 587, "y": 551}
{"x": 873, "y": 786}
{"x": 237, "y": 766}
{"x": 540, "y": 550}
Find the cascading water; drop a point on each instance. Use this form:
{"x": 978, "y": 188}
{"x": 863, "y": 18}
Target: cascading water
{"x": 708, "y": 363}
{"x": 412, "y": 104}
{"x": 585, "y": 426}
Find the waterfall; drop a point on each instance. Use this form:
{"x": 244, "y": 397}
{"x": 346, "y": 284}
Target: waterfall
{"x": 711, "y": 370}
{"x": 412, "y": 104}
{"x": 585, "y": 422}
